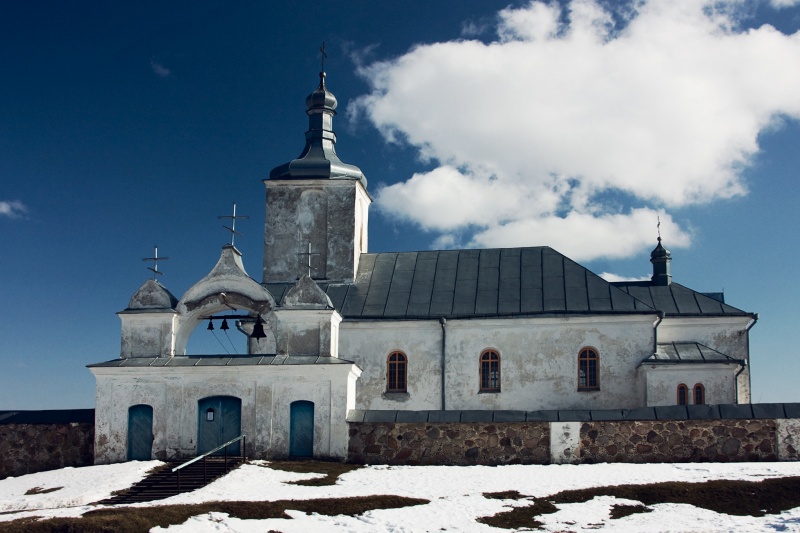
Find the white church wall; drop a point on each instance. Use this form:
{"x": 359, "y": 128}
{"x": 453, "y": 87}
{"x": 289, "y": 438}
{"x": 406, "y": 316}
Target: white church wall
{"x": 266, "y": 394}
{"x": 539, "y": 361}
{"x": 369, "y": 344}
{"x": 716, "y": 379}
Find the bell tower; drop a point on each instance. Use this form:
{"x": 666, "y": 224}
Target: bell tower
{"x": 317, "y": 206}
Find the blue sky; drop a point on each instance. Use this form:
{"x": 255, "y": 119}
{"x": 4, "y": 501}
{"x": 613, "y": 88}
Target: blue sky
{"x": 477, "y": 123}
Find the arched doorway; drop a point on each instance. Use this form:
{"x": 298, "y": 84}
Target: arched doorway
{"x": 140, "y": 432}
{"x": 301, "y": 429}
{"x": 219, "y": 419}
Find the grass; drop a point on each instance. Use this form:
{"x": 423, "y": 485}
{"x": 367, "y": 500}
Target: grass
{"x": 141, "y": 519}
{"x": 40, "y": 490}
{"x": 331, "y": 469}
{"x": 740, "y": 498}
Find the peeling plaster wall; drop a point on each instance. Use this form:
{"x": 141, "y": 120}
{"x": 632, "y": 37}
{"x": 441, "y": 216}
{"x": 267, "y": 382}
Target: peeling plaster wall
{"x": 331, "y": 214}
{"x": 539, "y": 361}
{"x": 663, "y": 380}
{"x": 788, "y": 438}
{"x": 266, "y": 393}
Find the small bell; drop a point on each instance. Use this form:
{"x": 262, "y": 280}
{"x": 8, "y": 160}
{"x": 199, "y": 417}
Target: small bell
{"x": 258, "y": 329}
{"x": 210, "y": 325}
{"x": 224, "y": 326}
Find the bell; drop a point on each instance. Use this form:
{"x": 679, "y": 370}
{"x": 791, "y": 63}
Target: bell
{"x": 224, "y": 326}
{"x": 258, "y": 329}
{"x": 210, "y": 325}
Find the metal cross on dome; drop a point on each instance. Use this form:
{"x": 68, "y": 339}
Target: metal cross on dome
{"x": 233, "y": 218}
{"x": 324, "y": 55}
{"x": 155, "y": 259}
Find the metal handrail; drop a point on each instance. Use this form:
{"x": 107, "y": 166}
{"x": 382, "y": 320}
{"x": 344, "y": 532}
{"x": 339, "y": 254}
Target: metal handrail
{"x": 178, "y": 468}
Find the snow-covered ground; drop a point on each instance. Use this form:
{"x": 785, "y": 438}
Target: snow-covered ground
{"x": 455, "y": 495}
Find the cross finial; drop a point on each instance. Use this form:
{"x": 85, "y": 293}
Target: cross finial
{"x": 309, "y": 253}
{"x": 324, "y": 55}
{"x": 233, "y": 218}
{"x": 155, "y": 259}
{"x": 658, "y": 228}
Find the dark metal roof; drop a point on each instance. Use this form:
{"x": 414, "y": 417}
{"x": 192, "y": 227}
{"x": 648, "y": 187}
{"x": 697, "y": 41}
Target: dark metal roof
{"x": 50, "y": 416}
{"x": 675, "y": 299}
{"x": 674, "y": 353}
{"x": 222, "y": 360}
{"x": 472, "y": 284}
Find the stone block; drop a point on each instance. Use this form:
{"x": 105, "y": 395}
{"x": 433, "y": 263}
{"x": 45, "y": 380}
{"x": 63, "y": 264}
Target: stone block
{"x": 509, "y": 416}
{"x": 355, "y": 415}
{"x": 444, "y": 416}
{"x": 736, "y": 411}
{"x": 574, "y": 416}
{"x": 476, "y": 416}
{"x": 543, "y": 416}
{"x": 671, "y": 412}
{"x": 412, "y": 416}
{"x": 703, "y": 412}
{"x": 381, "y": 416}
{"x": 640, "y": 413}
{"x": 768, "y": 410}
{"x": 606, "y": 414}
{"x": 792, "y": 410}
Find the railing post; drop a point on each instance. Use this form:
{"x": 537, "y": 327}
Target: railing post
{"x": 226, "y": 459}
{"x": 204, "y": 469}
{"x": 244, "y": 448}
{"x": 179, "y": 480}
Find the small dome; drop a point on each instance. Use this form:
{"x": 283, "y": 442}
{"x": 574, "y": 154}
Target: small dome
{"x": 152, "y": 295}
{"x": 659, "y": 251}
{"x": 321, "y": 97}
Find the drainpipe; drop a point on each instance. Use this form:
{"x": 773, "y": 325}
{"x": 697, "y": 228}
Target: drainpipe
{"x": 655, "y": 331}
{"x": 744, "y": 361}
{"x": 443, "y": 323}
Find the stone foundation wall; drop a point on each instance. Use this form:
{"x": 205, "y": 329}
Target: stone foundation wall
{"x": 28, "y": 448}
{"x": 678, "y": 440}
{"x": 449, "y": 443}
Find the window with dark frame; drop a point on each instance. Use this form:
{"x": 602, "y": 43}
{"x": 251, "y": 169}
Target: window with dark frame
{"x": 396, "y": 366}
{"x": 699, "y": 394}
{"x": 490, "y": 371}
{"x": 683, "y": 394}
{"x": 587, "y": 369}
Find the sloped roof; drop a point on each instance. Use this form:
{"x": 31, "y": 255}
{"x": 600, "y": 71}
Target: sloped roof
{"x": 675, "y": 353}
{"x": 675, "y": 299}
{"x": 474, "y": 283}
{"x": 222, "y": 360}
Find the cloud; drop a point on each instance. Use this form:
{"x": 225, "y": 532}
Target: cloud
{"x": 660, "y": 103}
{"x": 13, "y": 209}
{"x": 159, "y": 69}
{"x": 778, "y": 4}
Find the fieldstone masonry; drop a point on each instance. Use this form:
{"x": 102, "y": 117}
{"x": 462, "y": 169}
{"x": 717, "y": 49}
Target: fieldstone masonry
{"x": 28, "y": 448}
{"x": 449, "y": 444}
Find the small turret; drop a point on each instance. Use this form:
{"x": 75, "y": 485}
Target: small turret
{"x": 660, "y": 257}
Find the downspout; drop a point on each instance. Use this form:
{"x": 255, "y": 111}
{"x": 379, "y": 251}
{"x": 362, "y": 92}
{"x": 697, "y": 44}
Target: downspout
{"x": 744, "y": 361}
{"x": 655, "y": 331}
{"x": 443, "y": 323}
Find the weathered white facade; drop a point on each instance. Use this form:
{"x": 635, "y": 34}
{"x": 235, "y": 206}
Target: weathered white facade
{"x": 334, "y": 328}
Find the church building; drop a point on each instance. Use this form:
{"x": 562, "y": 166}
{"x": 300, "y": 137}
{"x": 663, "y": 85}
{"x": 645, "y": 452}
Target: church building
{"x": 338, "y": 328}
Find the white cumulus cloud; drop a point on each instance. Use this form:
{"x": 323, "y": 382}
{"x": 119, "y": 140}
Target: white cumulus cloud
{"x": 532, "y": 132}
{"x": 12, "y": 209}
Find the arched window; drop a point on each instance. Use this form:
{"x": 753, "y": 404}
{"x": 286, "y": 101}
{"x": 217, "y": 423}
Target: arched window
{"x": 683, "y": 394}
{"x": 396, "y": 372}
{"x": 699, "y": 394}
{"x": 490, "y": 371}
{"x": 588, "y": 361}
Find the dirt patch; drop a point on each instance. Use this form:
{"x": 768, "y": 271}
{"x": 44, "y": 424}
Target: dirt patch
{"x": 740, "y": 498}
{"x": 142, "y": 519}
{"x": 520, "y": 516}
{"x": 621, "y": 511}
{"x": 505, "y": 495}
{"x": 40, "y": 490}
{"x": 331, "y": 469}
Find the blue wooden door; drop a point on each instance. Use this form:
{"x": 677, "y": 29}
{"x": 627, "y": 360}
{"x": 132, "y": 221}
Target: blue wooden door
{"x": 301, "y": 429}
{"x": 140, "y": 433}
{"x": 219, "y": 419}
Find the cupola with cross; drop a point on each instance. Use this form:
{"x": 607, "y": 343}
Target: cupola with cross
{"x": 317, "y": 205}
